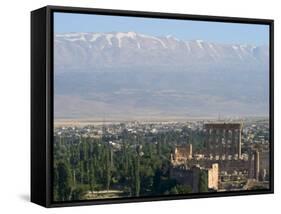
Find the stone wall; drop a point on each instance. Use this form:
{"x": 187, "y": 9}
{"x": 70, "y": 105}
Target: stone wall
{"x": 191, "y": 176}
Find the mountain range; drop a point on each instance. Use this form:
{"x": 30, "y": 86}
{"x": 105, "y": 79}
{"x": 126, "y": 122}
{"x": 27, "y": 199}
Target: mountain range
{"x": 133, "y": 75}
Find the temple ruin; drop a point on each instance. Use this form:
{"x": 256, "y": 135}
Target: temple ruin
{"x": 223, "y": 139}
{"x": 222, "y": 158}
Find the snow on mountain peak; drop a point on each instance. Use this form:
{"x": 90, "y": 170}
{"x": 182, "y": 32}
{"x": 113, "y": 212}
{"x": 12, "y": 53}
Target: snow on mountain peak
{"x": 141, "y": 45}
{"x": 121, "y": 35}
{"x": 132, "y": 34}
{"x": 199, "y": 43}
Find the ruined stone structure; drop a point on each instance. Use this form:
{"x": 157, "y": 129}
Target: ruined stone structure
{"x": 245, "y": 166}
{"x": 213, "y": 177}
{"x": 223, "y": 139}
{"x": 190, "y": 176}
{"x": 181, "y": 154}
{"x": 222, "y": 158}
{"x": 264, "y": 164}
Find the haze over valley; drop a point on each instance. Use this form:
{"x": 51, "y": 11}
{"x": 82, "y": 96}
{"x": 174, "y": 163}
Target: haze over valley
{"x": 132, "y": 75}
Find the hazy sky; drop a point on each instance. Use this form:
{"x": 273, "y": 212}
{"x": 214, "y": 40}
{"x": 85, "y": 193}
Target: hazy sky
{"x": 182, "y": 29}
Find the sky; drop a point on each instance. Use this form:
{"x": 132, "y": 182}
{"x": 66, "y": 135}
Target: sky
{"x": 220, "y": 32}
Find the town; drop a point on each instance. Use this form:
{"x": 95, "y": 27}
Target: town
{"x": 141, "y": 158}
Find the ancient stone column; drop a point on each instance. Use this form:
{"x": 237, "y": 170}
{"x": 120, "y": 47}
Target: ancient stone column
{"x": 220, "y": 143}
{"x": 257, "y": 165}
{"x": 239, "y": 143}
{"x": 214, "y": 143}
{"x": 226, "y": 142}
{"x": 207, "y": 140}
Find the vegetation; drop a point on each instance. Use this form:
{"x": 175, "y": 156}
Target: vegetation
{"x": 203, "y": 182}
{"x": 139, "y": 166}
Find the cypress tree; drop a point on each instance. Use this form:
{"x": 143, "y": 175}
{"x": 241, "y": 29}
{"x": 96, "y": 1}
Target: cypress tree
{"x": 64, "y": 180}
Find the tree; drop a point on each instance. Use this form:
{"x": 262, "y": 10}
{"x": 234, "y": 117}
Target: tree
{"x": 157, "y": 181}
{"x": 55, "y": 184}
{"x": 108, "y": 168}
{"x": 183, "y": 189}
{"x": 91, "y": 176}
{"x": 63, "y": 181}
{"x": 137, "y": 176}
{"x": 173, "y": 191}
{"x": 203, "y": 182}
{"x": 77, "y": 193}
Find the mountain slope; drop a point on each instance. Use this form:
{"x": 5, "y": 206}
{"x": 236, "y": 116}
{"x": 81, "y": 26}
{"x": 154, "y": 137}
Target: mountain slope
{"x": 130, "y": 75}
{"x": 92, "y": 50}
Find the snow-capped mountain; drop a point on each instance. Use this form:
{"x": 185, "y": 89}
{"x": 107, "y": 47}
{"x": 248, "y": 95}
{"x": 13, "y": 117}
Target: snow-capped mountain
{"x": 119, "y": 49}
{"x": 132, "y": 75}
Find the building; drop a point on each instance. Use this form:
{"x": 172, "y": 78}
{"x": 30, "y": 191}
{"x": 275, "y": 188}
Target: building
{"x": 223, "y": 139}
{"x": 191, "y": 176}
{"x": 221, "y": 159}
{"x": 181, "y": 154}
{"x": 213, "y": 177}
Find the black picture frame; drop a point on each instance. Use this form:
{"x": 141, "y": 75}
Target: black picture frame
{"x": 42, "y": 102}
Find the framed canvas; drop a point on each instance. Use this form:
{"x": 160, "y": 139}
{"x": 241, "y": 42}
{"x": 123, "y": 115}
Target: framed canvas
{"x": 130, "y": 106}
